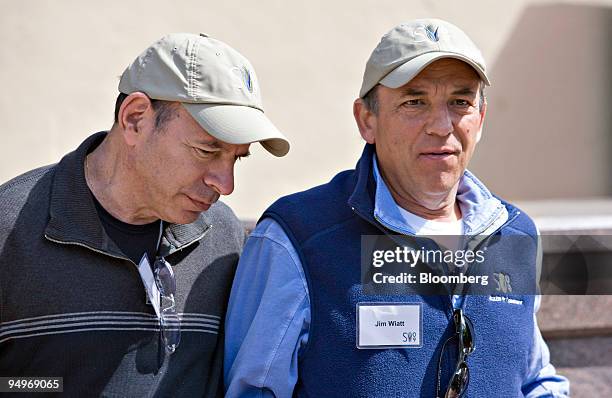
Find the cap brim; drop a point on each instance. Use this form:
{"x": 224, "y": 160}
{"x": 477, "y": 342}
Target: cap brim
{"x": 237, "y": 124}
{"x": 408, "y": 70}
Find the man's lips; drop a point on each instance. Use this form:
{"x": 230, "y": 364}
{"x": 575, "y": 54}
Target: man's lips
{"x": 439, "y": 153}
{"x": 199, "y": 204}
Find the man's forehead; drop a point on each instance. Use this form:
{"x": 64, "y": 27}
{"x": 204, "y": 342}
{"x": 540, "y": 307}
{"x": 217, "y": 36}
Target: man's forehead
{"x": 448, "y": 68}
{"x": 461, "y": 80}
{"x": 458, "y": 85}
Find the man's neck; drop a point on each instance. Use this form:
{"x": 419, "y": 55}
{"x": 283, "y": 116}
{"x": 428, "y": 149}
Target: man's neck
{"x": 109, "y": 179}
{"x": 444, "y": 208}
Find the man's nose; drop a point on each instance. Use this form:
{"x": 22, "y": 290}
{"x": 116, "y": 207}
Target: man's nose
{"x": 440, "y": 122}
{"x": 220, "y": 177}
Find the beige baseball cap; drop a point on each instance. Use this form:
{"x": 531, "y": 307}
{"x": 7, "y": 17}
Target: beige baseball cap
{"x": 214, "y": 82}
{"x": 408, "y": 48}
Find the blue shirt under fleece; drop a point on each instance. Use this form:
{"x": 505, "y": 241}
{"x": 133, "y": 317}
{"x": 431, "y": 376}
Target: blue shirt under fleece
{"x": 270, "y": 349}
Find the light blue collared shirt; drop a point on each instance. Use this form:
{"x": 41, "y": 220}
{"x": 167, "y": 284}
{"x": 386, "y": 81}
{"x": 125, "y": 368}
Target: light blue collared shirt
{"x": 268, "y": 317}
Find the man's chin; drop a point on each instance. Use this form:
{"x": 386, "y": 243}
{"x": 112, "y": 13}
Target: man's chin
{"x": 185, "y": 217}
{"x": 440, "y": 186}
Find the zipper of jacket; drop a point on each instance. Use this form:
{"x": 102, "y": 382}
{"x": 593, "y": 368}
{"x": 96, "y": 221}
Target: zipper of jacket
{"x": 61, "y": 242}
{"x": 64, "y": 242}
{"x": 99, "y": 252}
{"x": 208, "y": 228}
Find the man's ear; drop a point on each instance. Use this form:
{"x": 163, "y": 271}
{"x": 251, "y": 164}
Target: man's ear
{"x": 483, "y": 112}
{"x": 136, "y": 115}
{"x": 366, "y": 121}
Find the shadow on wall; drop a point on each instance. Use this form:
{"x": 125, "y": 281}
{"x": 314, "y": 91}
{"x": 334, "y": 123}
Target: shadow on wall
{"x": 548, "y": 132}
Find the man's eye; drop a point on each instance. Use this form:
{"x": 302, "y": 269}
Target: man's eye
{"x": 203, "y": 152}
{"x": 462, "y": 102}
{"x": 240, "y": 157}
{"x": 413, "y": 102}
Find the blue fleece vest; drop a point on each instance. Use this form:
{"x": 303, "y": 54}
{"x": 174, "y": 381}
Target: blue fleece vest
{"x": 325, "y": 224}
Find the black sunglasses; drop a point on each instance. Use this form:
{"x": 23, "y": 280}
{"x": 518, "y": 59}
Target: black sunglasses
{"x": 461, "y": 377}
{"x": 170, "y": 325}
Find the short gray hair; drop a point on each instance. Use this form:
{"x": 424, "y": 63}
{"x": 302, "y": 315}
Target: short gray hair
{"x": 164, "y": 110}
{"x": 370, "y": 100}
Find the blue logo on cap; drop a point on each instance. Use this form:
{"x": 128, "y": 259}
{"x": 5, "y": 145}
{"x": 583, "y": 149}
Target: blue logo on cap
{"x": 247, "y": 79}
{"x": 431, "y": 33}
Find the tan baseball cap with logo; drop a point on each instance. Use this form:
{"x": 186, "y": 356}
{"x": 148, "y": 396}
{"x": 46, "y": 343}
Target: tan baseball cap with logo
{"x": 410, "y": 47}
{"x": 214, "y": 82}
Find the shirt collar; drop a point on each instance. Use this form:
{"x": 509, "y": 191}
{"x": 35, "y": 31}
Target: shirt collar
{"x": 481, "y": 211}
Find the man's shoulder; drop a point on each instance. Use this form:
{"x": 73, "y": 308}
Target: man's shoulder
{"x": 220, "y": 213}
{"x": 15, "y": 193}
{"x": 313, "y": 210}
{"x": 225, "y": 222}
{"x": 24, "y": 201}
{"x": 520, "y": 221}
{"x": 26, "y": 180}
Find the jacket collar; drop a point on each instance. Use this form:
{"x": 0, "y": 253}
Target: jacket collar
{"x": 482, "y": 212}
{"x": 362, "y": 197}
{"x": 73, "y": 218}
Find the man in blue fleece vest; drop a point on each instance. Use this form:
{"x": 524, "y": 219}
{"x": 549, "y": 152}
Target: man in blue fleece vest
{"x": 302, "y": 319}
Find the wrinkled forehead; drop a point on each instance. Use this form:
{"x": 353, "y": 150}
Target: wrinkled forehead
{"x": 448, "y": 70}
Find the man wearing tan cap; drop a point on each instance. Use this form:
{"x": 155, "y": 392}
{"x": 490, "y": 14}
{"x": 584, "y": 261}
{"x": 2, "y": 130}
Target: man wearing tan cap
{"x": 117, "y": 261}
{"x": 315, "y": 311}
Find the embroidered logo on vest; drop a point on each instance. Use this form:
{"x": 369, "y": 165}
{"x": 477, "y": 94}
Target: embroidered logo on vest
{"x": 503, "y": 282}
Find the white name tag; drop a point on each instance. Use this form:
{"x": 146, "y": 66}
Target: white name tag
{"x": 389, "y": 325}
{"x": 144, "y": 269}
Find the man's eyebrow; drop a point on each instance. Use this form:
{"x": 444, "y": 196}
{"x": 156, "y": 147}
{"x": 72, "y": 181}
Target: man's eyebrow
{"x": 244, "y": 155}
{"x": 464, "y": 91}
{"x": 212, "y": 143}
{"x": 417, "y": 91}
{"x": 413, "y": 91}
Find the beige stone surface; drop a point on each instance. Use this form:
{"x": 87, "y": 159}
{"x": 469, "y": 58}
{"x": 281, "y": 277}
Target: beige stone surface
{"x": 563, "y": 315}
{"x": 589, "y": 381}
{"x": 587, "y": 363}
